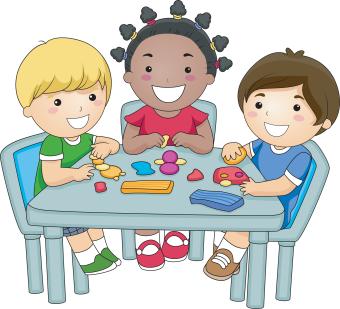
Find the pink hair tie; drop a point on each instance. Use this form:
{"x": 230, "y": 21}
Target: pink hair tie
{"x": 151, "y": 22}
{"x": 217, "y": 64}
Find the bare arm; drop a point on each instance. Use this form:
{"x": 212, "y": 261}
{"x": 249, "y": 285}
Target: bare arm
{"x": 134, "y": 143}
{"x": 104, "y": 146}
{"x": 276, "y": 187}
{"x": 201, "y": 143}
{"x": 55, "y": 175}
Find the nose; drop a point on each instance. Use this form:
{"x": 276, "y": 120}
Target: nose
{"x": 267, "y": 113}
{"x": 81, "y": 108}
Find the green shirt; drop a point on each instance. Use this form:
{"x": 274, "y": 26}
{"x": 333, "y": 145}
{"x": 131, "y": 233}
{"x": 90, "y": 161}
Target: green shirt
{"x": 57, "y": 148}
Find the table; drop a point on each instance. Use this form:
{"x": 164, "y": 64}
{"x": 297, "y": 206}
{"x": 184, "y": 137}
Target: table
{"x": 77, "y": 204}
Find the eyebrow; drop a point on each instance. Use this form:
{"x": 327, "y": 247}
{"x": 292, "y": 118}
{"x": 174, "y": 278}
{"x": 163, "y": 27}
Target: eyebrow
{"x": 147, "y": 55}
{"x": 260, "y": 95}
{"x": 187, "y": 55}
{"x": 298, "y": 97}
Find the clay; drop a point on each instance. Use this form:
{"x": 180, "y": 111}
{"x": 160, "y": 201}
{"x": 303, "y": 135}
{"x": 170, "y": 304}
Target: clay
{"x": 230, "y": 173}
{"x": 100, "y": 186}
{"x": 195, "y": 175}
{"x": 170, "y": 156}
{"x": 142, "y": 168}
{"x": 169, "y": 168}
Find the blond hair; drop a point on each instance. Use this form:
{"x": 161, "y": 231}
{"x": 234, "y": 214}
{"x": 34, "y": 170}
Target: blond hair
{"x": 61, "y": 64}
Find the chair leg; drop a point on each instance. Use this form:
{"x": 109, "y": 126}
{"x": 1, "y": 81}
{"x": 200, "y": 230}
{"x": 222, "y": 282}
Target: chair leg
{"x": 129, "y": 244}
{"x": 33, "y": 262}
{"x": 238, "y": 282}
{"x": 284, "y": 271}
{"x": 196, "y": 245}
{"x": 80, "y": 280}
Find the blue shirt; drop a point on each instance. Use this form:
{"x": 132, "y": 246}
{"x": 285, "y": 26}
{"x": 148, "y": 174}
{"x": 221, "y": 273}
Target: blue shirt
{"x": 293, "y": 162}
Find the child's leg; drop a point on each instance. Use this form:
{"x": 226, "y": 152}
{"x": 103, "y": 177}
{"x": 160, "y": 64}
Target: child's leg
{"x": 225, "y": 260}
{"x": 88, "y": 257}
{"x": 143, "y": 235}
{"x": 218, "y": 236}
{"x": 99, "y": 241}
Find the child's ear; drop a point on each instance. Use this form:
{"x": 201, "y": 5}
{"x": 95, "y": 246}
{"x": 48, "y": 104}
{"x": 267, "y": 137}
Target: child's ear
{"x": 210, "y": 79}
{"x": 27, "y": 112}
{"x": 327, "y": 124}
{"x": 128, "y": 77}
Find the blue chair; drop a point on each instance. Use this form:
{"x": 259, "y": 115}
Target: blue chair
{"x": 286, "y": 238}
{"x": 19, "y": 162}
{"x": 196, "y": 237}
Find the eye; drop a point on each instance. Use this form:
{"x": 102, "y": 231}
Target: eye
{"x": 258, "y": 105}
{"x": 296, "y": 107}
{"x": 57, "y": 102}
{"x": 187, "y": 70}
{"x": 92, "y": 97}
{"x": 148, "y": 69}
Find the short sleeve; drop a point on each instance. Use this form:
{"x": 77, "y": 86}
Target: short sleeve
{"x": 198, "y": 116}
{"x": 89, "y": 137}
{"x": 51, "y": 149}
{"x": 136, "y": 119}
{"x": 298, "y": 168}
{"x": 255, "y": 146}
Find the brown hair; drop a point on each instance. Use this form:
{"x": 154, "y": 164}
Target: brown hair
{"x": 282, "y": 70}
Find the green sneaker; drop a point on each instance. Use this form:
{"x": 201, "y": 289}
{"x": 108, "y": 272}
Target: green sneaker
{"x": 100, "y": 265}
{"x": 107, "y": 253}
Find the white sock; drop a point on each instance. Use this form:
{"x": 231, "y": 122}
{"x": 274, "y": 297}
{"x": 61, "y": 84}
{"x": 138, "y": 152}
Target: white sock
{"x": 141, "y": 238}
{"x": 100, "y": 244}
{"x": 87, "y": 256}
{"x": 237, "y": 252}
{"x": 218, "y": 236}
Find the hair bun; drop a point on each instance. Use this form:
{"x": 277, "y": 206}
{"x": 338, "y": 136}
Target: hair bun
{"x": 178, "y": 8}
{"x": 225, "y": 64}
{"x": 147, "y": 14}
{"x": 220, "y": 42}
{"x": 127, "y": 31}
{"x": 118, "y": 54}
{"x": 203, "y": 20}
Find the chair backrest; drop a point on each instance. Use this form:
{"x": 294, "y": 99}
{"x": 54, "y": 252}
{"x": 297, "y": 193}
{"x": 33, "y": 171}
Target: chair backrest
{"x": 19, "y": 162}
{"x": 204, "y": 106}
{"x": 308, "y": 197}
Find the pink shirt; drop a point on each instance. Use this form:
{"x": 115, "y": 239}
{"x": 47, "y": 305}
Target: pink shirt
{"x": 186, "y": 121}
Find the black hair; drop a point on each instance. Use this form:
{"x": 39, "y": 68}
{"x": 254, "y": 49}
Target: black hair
{"x": 179, "y": 26}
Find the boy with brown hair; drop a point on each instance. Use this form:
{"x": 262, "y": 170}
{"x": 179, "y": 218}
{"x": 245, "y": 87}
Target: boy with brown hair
{"x": 287, "y": 99}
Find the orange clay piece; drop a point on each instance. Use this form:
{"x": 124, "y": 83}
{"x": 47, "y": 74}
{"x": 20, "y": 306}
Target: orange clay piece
{"x": 97, "y": 161}
{"x": 113, "y": 172}
{"x": 238, "y": 159}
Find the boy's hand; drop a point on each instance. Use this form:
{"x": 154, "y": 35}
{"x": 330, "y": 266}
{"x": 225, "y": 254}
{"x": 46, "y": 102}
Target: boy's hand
{"x": 231, "y": 151}
{"x": 154, "y": 139}
{"x": 181, "y": 139}
{"x": 250, "y": 187}
{"x": 102, "y": 150}
{"x": 83, "y": 172}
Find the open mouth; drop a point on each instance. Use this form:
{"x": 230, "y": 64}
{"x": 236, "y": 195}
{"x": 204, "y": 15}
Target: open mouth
{"x": 78, "y": 123}
{"x": 275, "y": 130}
{"x": 168, "y": 94}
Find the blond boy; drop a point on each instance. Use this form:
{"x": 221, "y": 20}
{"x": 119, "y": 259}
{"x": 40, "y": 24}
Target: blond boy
{"x": 64, "y": 85}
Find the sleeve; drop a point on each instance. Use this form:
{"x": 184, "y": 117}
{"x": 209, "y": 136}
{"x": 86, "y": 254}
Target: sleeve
{"x": 136, "y": 118}
{"x": 255, "y": 146}
{"x": 199, "y": 117}
{"x": 298, "y": 168}
{"x": 90, "y": 137}
{"x": 51, "y": 149}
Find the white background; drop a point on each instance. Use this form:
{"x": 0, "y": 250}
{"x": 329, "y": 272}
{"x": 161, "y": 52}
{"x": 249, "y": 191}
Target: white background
{"x": 255, "y": 28}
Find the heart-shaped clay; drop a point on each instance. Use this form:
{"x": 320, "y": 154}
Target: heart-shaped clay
{"x": 195, "y": 175}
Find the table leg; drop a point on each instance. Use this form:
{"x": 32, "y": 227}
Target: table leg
{"x": 257, "y": 269}
{"x": 80, "y": 280}
{"x": 238, "y": 282}
{"x": 129, "y": 244}
{"x": 196, "y": 246}
{"x": 55, "y": 265}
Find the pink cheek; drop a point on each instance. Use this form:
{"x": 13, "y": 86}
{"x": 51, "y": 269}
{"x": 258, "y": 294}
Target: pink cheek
{"x": 190, "y": 78}
{"x": 146, "y": 77}
{"x": 52, "y": 110}
{"x": 252, "y": 114}
{"x": 299, "y": 118}
{"x": 98, "y": 102}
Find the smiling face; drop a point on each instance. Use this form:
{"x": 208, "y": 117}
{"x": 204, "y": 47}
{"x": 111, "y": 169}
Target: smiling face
{"x": 168, "y": 72}
{"x": 281, "y": 116}
{"x": 68, "y": 114}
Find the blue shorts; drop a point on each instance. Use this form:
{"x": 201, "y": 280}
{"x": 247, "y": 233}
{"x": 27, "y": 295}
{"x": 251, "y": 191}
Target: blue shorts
{"x": 71, "y": 231}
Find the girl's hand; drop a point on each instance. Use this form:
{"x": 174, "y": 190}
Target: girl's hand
{"x": 181, "y": 139}
{"x": 250, "y": 187}
{"x": 154, "y": 139}
{"x": 101, "y": 150}
{"x": 231, "y": 151}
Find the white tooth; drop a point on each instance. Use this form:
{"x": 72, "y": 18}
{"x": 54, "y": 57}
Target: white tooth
{"x": 78, "y": 123}
{"x": 275, "y": 130}
{"x": 168, "y": 94}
